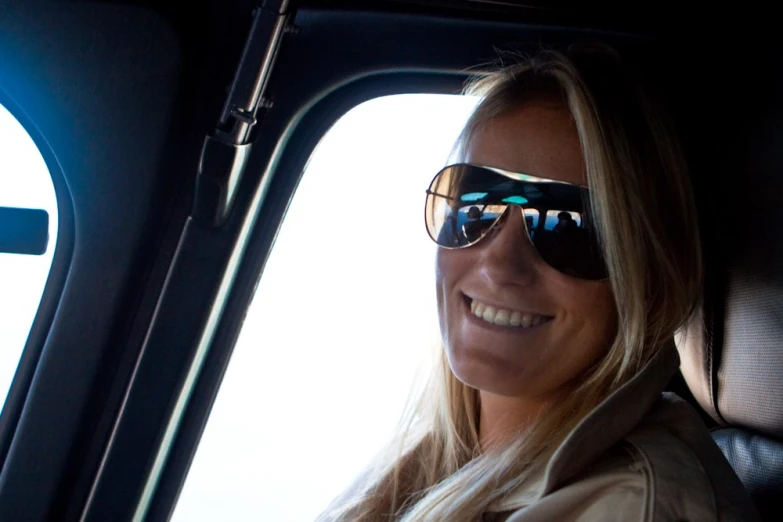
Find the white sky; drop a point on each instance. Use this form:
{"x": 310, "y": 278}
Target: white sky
{"x": 343, "y": 318}
{"x": 24, "y": 182}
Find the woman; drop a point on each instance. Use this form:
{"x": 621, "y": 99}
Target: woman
{"x": 548, "y": 404}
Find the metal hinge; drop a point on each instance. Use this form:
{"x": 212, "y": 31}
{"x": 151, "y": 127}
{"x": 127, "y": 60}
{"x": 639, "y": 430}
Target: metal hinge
{"x": 224, "y": 153}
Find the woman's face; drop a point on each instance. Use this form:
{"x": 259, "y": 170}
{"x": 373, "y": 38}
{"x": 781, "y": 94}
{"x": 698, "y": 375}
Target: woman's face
{"x": 570, "y": 322}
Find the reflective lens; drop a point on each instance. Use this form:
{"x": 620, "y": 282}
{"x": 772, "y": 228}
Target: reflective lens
{"x": 464, "y": 202}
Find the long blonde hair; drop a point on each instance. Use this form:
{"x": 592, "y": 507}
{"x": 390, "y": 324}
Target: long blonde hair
{"x": 646, "y": 221}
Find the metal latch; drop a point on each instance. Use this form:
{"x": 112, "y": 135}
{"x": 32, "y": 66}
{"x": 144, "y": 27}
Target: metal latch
{"x": 224, "y": 153}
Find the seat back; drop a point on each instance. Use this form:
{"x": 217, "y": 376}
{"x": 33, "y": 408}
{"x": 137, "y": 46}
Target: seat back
{"x": 732, "y": 353}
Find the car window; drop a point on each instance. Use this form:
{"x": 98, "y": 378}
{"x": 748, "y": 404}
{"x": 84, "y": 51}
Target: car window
{"x": 25, "y": 183}
{"x": 343, "y": 318}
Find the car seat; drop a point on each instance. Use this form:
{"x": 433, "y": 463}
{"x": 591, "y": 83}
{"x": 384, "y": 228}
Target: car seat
{"x": 732, "y": 352}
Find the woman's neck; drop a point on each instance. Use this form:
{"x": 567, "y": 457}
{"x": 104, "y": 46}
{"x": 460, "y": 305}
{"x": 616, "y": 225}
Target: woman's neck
{"x": 501, "y": 418}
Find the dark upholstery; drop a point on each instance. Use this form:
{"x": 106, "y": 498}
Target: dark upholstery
{"x": 758, "y": 461}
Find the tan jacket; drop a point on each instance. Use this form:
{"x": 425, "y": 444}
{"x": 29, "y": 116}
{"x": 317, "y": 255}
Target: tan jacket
{"x": 639, "y": 456}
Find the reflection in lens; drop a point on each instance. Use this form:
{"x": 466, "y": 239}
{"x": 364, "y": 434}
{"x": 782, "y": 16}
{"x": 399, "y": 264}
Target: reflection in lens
{"x": 567, "y": 245}
{"x": 476, "y": 221}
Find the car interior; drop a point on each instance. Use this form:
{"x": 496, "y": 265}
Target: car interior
{"x": 176, "y": 135}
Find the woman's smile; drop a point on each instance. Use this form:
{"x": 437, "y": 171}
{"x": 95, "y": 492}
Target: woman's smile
{"x": 502, "y": 317}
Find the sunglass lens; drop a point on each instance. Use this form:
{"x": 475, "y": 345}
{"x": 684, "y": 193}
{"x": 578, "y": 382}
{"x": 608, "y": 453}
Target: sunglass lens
{"x": 568, "y": 244}
{"x": 456, "y": 216}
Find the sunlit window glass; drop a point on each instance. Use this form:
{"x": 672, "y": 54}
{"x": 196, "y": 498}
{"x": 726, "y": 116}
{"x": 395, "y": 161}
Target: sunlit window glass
{"x": 343, "y": 318}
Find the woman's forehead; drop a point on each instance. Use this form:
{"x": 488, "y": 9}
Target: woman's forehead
{"x": 539, "y": 138}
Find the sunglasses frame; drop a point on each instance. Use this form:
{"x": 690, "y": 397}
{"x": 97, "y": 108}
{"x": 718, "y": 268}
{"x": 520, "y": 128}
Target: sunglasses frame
{"x": 515, "y": 176}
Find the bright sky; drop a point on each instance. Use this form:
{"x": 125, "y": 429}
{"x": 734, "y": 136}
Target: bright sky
{"x": 24, "y": 182}
{"x": 343, "y": 317}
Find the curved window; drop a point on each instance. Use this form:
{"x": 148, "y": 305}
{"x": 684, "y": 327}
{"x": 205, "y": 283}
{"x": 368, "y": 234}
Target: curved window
{"x": 27, "y": 202}
{"x": 343, "y": 317}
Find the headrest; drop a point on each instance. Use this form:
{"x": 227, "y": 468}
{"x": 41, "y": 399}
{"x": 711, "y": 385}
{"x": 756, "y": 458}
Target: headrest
{"x": 732, "y": 359}
{"x": 732, "y": 353}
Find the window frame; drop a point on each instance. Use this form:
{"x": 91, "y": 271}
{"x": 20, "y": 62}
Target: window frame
{"x": 310, "y": 130}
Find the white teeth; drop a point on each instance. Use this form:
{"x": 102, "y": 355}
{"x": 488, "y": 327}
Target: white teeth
{"x": 503, "y": 317}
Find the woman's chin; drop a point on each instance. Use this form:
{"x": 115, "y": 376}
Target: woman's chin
{"x": 488, "y": 372}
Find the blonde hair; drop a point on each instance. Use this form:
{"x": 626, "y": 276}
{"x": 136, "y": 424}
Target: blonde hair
{"x": 647, "y": 226}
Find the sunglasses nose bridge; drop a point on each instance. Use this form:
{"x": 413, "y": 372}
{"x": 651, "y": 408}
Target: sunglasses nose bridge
{"x": 502, "y": 223}
{"x": 509, "y": 253}
{"x": 510, "y": 210}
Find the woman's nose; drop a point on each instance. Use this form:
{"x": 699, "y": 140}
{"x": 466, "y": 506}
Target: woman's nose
{"x": 508, "y": 252}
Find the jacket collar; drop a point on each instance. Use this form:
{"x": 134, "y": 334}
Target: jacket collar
{"x": 601, "y": 429}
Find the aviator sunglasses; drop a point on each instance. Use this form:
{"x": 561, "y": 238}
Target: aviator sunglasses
{"x": 466, "y": 203}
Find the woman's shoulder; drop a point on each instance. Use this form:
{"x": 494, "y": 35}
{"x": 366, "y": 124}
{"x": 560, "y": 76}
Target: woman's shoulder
{"x": 687, "y": 477}
{"x": 666, "y": 469}
{"x": 611, "y": 489}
